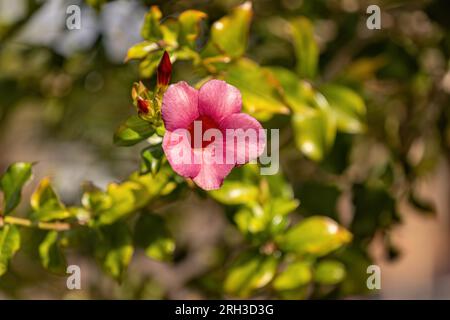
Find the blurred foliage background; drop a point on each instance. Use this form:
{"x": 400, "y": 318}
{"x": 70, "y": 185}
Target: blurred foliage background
{"x": 363, "y": 114}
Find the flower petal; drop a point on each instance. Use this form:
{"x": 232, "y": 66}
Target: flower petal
{"x": 177, "y": 147}
{"x": 245, "y": 138}
{"x": 180, "y": 106}
{"x": 218, "y": 99}
{"x": 212, "y": 173}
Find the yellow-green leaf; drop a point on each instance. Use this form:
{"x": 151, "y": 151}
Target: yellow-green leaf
{"x": 329, "y": 272}
{"x": 229, "y": 35}
{"x": 259, "y": 89}
{"x": 125, "y": 198}
{"x": 52, "y": 257}
{"x": 235, "y": 192}
{"x": 9, "y": 245}
{"x": 11, "y": 184}
{"x": 189, "y": 21}
{"x": 315, "y": 236}
{"x": 347, "y": 106}
{"x": 249, "y": 273}
{"x": 314, "y": 131}
{"x": 45, "y": 203}
{"x": 305, "y": 46}
{"x": 151, "y": 29}
{"x": 141, "y": 50}
{"x": 295, "y": 275}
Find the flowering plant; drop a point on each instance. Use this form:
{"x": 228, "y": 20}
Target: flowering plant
{"x": 268, "y": 145}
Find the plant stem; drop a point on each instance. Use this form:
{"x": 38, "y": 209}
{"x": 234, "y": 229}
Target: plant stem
{"x": 57, "y": 226}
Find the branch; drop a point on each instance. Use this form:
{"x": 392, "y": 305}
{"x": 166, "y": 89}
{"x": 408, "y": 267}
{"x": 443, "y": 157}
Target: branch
{"x": 57, "y": 226}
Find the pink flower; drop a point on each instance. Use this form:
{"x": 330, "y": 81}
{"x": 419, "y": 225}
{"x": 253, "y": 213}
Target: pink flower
{"x": 206, "y": 133}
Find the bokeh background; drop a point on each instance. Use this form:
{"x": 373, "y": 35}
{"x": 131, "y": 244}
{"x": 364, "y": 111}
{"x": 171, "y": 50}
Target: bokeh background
{"x": 64, "y": 92}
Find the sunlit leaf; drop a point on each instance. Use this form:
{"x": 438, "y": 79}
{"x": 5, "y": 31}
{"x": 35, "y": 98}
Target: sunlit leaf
{"x": 329, "y": 272}
{"x": 258, "y": 87}
{"x": 9, "y": 245}
{"x": 148, "y": 66}
{"x": 314, "y": 132}
{"x": 189, "y": 21}
{"x": 151, "y": 29}
{"x": 95, "y": 199}
{"x": 347, "y": 106}
{"x": 11, "y": 184}
{"x": 141, "y": 50}
{"x": 170, "y": 30}
{"x": 295, "y": 275}
{"x": 306, "y": 49}
{"x": 46, "y": 204}
{"x": 250, "y": 272}
{"x": 154, "y": 185}
{"x": 252, "y": 219}
{"x": 133, "y": 131}
{"x": 124, "y": 200}
{"x": 299, "y": 94}
{"x": 229, "y": 35}
{"x": 52, "y": 257}
{"x": 234, "y": 192}
{"x": 315, "y": 235}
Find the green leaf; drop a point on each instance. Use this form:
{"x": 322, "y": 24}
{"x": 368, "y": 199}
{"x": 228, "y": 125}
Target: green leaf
{"x": 9, "y": 245}
{"x": 229, "y": 35}
{"x": 96, "y": 200}
{"x": 151, "y": 234}
{"x": 314, "y": 132}
{"x": 46, "y": 204}
{"x": 125, "y": 199}
{"x": 141, "y": 50}
{"x": 148, "y": 66}
{"x": 170, "y": 30}
{"x": 306, "y": 49}
{"x": 189, "y": 21}
{"x": 295, "y": 275}
{"x": 152, "y": 158}
{"x": 151, "y": 28}
{"x": 317, "y": 236}
{"x": 313, "y": 121}
{"x": 234, "y": 193}
{"x": 329, "y": 272}
{"x": 347, "y": 106}
{"x": 52, "y": 257}
{"x": 251, "y": 219}
{"x": 134, "y": 130}
{"x": 11, "y": 184}
{"x": 282, "y": 206}
{"x": 249, "y": 273}
{"x": 299, "y": 94}
{"x": 154, "y": 185}
{"x": 115, "y": 249}
{"x": 259, "y": 89}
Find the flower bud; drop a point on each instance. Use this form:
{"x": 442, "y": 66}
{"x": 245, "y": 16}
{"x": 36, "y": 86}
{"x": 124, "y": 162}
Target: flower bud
{"x": 164, "y": 70}
{"x": 143, "y": 106}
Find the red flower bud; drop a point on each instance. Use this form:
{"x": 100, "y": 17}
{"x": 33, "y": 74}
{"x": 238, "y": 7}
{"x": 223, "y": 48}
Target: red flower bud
{"x": 164, "y": 70}
{"x": 142, "y": 105}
